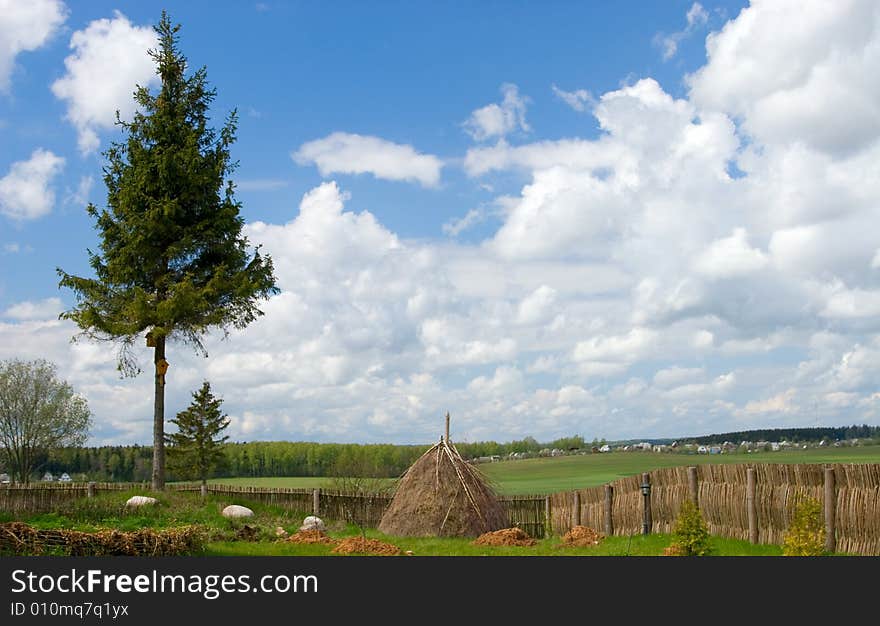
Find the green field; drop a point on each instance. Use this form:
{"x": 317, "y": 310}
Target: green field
{"x": 549, "y": 475}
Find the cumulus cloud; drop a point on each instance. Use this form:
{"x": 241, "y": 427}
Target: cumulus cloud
{"x": 498, "y": 120}
{"x": 40, "y": 310}
{"x": 688, "y": 270}
{"x": 346, "y": 153}
{"x": 26, "y": 26}
{"x": 26, "y": 192}
{"x": 108, "y": 61}
{"x": 730, "y": 256}
{"x": 797, "y": 71}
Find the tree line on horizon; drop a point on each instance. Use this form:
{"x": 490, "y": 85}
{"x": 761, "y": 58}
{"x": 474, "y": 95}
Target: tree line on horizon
{"x": 258, "y": 459}
{"x": 795, "y": 435}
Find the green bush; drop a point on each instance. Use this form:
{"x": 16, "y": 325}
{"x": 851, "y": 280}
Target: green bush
{"x": 806, "y": 533}
{"x": 690, "y": 535}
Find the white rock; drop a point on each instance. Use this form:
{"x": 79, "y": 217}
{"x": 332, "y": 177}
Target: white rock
{"x": 313, "y": 522}
{"x": 140, "y": 501}
{"x": 235, "y": 511}
{"x": 280, "y": 532}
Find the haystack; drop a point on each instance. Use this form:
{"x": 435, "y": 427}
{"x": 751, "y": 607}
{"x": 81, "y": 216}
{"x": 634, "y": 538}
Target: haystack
{"x": 441, "y": 495}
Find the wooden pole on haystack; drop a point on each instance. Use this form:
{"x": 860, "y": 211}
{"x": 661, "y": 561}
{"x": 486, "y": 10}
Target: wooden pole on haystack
{"x": 447, "y": 426}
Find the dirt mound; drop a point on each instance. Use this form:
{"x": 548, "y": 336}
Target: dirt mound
{"x": 311, "y": 536}
{"x": 247, "y": 533}
{"x": 673, "y": 550}
{"x": 581, "y": 536}
{"x": 505, "y": 537}
{"x": 360, "y": 545}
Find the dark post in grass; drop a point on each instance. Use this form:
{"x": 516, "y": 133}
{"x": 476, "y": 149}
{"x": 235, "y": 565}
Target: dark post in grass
{"x": 548, "y": 517}
{"x": 576, "y": 517}
{"x": 609, "y": 501}
{"x": 693, "y": 485}
{"x": 646, "y": 506}
{"x": 751, "y": 505}
{"x": 830, "y": 510}
{"x": 90, "y": 490}
{"x": 316, "y": 501}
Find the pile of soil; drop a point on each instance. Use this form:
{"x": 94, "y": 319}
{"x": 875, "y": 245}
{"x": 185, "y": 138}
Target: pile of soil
{"x": 360, "y": 545}
{"x": 581, "y": 537}
{"x": 311, "y": 536}
{"x": 505, "y": 537}
{"x": 247, "y": 533}
{"x": 673, "y": 550}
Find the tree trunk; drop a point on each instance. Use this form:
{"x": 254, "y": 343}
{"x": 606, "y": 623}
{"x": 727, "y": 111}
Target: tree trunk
{"x": 159, "y": 419}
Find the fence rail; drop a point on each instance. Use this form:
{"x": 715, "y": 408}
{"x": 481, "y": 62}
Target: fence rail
{"x": 722, "y": 493}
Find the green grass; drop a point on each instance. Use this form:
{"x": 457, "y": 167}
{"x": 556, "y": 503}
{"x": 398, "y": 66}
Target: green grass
{"x": 549, "y": 475}
{"x": 175, "y": 509}
{"x": 637, "y": 545}
{"x": 288, "y": 482}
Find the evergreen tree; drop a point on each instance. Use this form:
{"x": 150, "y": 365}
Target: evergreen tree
{"x": 173, "y": 262}
{"x": 195, "y": 448}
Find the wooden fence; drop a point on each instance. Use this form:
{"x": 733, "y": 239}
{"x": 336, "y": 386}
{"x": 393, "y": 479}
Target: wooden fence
{"x": 757, "y": 509}
{"x": 722, "y": 494}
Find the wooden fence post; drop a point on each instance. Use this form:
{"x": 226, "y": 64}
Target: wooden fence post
{"x": 548, "y": 517}
{"x": 609, "y": 519}
{"x": 751, "y": 504}
{"x": 576, "y": 518}
{"x": 647, "y": 521}
{"x": 693, "y": 485}
{"x": 316, "y": 501}
{"x": 90, "y": 490}
{"x": 204, "y": 491}
{"x": 830, "y": 510}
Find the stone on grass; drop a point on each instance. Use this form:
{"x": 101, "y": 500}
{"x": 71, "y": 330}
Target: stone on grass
{"x": 136, "y": 501}
{"x": 313, "y": 522}
{"x": 235, "y": 511}
{"x": 280, "y": 532}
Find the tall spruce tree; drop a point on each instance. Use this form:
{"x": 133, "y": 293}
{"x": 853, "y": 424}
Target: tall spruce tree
{"x": 194, "y": 451}
{"x": 173, "y": 261}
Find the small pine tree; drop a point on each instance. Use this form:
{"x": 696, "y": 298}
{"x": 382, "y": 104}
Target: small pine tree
{"x": 806, "y": 533}
{"x": 690, "y": 536}
{"x": 194, "y": 450}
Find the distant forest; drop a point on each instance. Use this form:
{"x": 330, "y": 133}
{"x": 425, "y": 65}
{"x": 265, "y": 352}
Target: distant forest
{"x": 278, "y": 458}
{"x": 794, "y": 435}
{"x": 285, "y": 458}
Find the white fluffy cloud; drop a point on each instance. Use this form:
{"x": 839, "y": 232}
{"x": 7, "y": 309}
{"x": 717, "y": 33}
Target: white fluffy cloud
{"x": 26, "y": 26}
{"x": 497, "y": 120}
{"x": 108, "y": 61}
{"x": 346, "y": 153}
{"x": 798, "y": 71}
{"x": 26, "y": 192}
{"x": 41, "y": 310}
{"x": 730, "y": 256}
{"x": 692, "y": 269}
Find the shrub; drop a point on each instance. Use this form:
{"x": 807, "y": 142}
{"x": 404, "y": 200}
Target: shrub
{"x": 806, "y": 533}
{"x": 690, "y": 535}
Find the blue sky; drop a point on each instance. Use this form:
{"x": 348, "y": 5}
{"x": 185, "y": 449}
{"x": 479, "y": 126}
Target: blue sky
{"x": 609, "y": 219}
